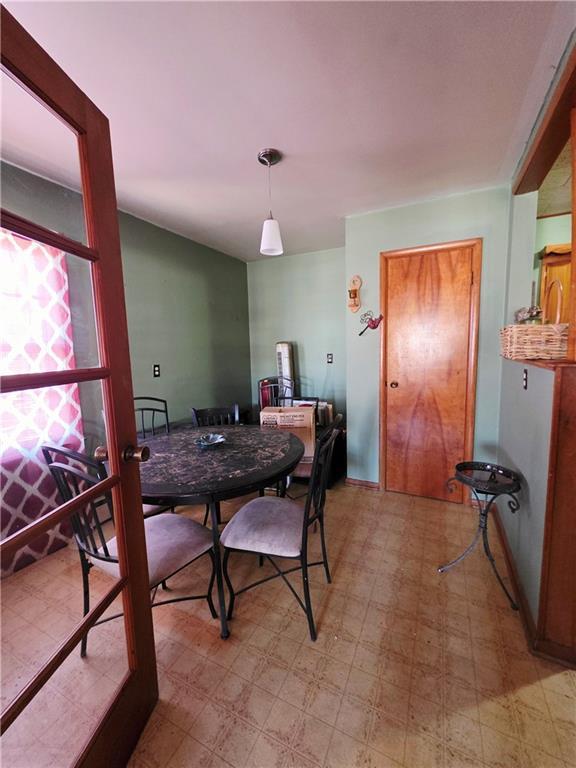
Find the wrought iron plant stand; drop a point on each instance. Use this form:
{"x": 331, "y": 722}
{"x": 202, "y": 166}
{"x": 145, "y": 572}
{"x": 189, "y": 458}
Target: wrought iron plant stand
{"x": 492, "y": 481}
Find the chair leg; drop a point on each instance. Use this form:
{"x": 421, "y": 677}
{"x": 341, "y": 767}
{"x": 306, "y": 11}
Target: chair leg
{"x": 307, "y": 600}
{"x": 164, "y": 586}
{"x": 228, "y": 583}
{"x": 206, "y": 515}
{"x": 213, "y": 612}
{"x": 324, "y": 552}
{"x": 260, "y": 561}
{"x": 86, "y": 597}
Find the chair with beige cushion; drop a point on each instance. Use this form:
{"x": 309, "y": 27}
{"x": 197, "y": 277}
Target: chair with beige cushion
{"x": 273, "y": 527}
{"x": 172, "y": 542}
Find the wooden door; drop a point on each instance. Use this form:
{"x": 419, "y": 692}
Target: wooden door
{"x": 430, "y": 299}
{"x": 124, "y": 708}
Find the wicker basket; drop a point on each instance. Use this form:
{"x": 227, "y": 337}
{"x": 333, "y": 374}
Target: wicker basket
{"x": 548, "y": 341}
{"x": 534, "y": 342}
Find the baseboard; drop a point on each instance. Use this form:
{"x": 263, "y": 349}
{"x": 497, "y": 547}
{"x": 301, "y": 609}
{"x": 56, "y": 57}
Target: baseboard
{"x": 362, "y": 484}
{"x": 517, "y": 588}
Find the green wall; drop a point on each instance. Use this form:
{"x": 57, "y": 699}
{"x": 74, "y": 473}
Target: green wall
{"x": 301, "y": 299}
{"x": 553, "y": 230}
{"x": 187, "y": 304}
{"x": 187, "y": 310}
{"x": 482, "y": 214}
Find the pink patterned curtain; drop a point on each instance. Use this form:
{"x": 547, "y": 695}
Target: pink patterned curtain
{"x": 36, "y": 336}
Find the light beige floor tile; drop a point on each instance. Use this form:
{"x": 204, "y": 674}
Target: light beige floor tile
{"x": 298, "y": 731}
{"x": 345, "y": 752}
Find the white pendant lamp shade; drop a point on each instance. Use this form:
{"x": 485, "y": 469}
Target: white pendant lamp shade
{"x": 271, "y": 243}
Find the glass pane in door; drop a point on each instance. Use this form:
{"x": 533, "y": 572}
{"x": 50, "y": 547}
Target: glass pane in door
{"x": 40, "y": 165}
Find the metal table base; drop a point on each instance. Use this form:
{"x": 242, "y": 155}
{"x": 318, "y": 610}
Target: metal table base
{"x": 482, "y": 530}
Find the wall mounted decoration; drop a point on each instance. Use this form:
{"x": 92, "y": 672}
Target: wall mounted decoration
{"x": 370, "y": 321}
{"x": 354, "y": 286}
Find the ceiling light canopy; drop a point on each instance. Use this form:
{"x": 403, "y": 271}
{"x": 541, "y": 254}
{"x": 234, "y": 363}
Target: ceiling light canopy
{"x": 271, "y": 243}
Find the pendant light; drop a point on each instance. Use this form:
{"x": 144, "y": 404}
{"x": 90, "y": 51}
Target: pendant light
{"x": 271, "y": 243}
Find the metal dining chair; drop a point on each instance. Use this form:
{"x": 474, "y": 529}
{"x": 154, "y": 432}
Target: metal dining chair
{"x": 272, "y": 526}
{"x": 215, "y": 417}
{"x": 147, "y": 410}
{"x": 92, "y": 466}
{"x": 172, "y": 543}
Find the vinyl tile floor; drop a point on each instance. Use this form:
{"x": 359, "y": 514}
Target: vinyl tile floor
{"x": 411, "y": 668}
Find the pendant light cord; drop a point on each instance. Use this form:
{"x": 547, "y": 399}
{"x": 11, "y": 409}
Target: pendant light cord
{"x": 269, "y": 192}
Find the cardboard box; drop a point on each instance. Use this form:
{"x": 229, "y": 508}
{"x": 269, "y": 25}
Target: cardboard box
{"x": 298, "y": 420}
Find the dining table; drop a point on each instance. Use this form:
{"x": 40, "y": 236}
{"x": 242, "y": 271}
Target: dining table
{"x": 180, "y": 471}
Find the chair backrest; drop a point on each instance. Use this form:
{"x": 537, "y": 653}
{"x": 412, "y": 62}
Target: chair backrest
{"x": 215, "y": 417}
{"x": 316, "y": 497}
{"x": 148, "y": 410}
{"x": 86, "y": 523}
{"x": 276, "y": 391}
{"x": 86, "y": 464}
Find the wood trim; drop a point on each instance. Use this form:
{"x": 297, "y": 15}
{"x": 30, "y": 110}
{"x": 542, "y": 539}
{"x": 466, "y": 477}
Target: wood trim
{"x": 572, "y": 298}
{"x": 34, "y": 686}
{"x": 552, "y": 215}
{"x": 368, "y": 484}
{"x": 20, "y": 381}
{"x": 470, "y": 417}
{"x": 559, "y": 250}
{"x": 518, "y": 590}
{"x": 473, "y": 350}
{"x": 32, "y": 231}
{"x": 420, "y": 249}
{"x": 37, "y": 527}
{"x": 557, "y": 607}
{"x": 551, "y": 135}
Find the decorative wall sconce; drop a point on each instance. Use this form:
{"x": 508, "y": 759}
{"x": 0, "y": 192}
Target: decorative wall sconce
{"x": 354, "y": 302}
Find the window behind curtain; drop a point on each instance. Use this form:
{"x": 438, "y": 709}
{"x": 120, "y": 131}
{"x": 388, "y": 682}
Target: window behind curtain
{"x": 36, "y": 335}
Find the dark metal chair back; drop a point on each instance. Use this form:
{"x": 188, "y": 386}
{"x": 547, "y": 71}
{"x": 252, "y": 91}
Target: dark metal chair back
{"x": 87, "y": 464}
{"x": 215, "y": 417}
{"x": 147, "y": 410}
{"x": 86, "y": 523}
{"x": 276, "y": 391}
{"x": 316, "y": 496}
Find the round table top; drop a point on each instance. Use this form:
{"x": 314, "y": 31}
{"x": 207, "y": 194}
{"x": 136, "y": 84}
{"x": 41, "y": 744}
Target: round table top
{"x": 250, "y": 458}
{"x": 488, "y": 478}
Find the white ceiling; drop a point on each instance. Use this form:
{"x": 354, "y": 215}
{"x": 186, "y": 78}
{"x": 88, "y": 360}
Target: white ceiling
{"x": 374, "y": 104}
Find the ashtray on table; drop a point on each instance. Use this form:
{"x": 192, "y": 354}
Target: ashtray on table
{"x": 209, "y": 440}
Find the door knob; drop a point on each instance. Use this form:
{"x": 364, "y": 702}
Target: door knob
{"x": 136, "y": 453}
{"x": 393, "y": 384}
{"x": 101, "y": 453}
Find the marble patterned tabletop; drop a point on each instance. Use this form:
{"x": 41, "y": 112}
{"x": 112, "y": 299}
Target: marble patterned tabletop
{"x": 251, "y": 456}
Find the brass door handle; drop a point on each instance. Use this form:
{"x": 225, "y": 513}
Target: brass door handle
{"x": 136, "y": 453}
{"x": 393, "y": 384}
{"x": 101, "y": 453}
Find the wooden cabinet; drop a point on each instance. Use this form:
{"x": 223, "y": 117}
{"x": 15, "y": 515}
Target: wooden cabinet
{"x": 555, "y": 274}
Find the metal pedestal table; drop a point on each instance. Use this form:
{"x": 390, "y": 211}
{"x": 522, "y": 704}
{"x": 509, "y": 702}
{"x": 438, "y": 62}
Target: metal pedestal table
{"x": 492, "y": 481}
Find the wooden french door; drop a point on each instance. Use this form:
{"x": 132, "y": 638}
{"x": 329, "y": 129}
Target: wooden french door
{"x": 430, "y": 300}
{"x": 125, "y": 710}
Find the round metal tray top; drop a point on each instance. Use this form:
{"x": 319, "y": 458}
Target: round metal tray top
{"x": 488, "y": 478}
{"x": 249, "y": 457}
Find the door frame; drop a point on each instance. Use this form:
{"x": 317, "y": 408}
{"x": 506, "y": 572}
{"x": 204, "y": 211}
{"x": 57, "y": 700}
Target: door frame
{"x": 126, "y": 714}
{"x": 470, "y": 408}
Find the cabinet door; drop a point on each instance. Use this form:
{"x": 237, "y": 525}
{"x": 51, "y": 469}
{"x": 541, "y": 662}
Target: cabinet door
{"x": 555, "y": 268}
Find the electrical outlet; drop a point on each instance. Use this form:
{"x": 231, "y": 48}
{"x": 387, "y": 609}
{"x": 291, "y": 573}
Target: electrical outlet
{"x": 329, "y": 358}
{"x": 156, "y": 370}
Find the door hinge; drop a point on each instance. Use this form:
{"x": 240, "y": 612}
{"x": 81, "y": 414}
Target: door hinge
{"x": 472, "y": 278}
